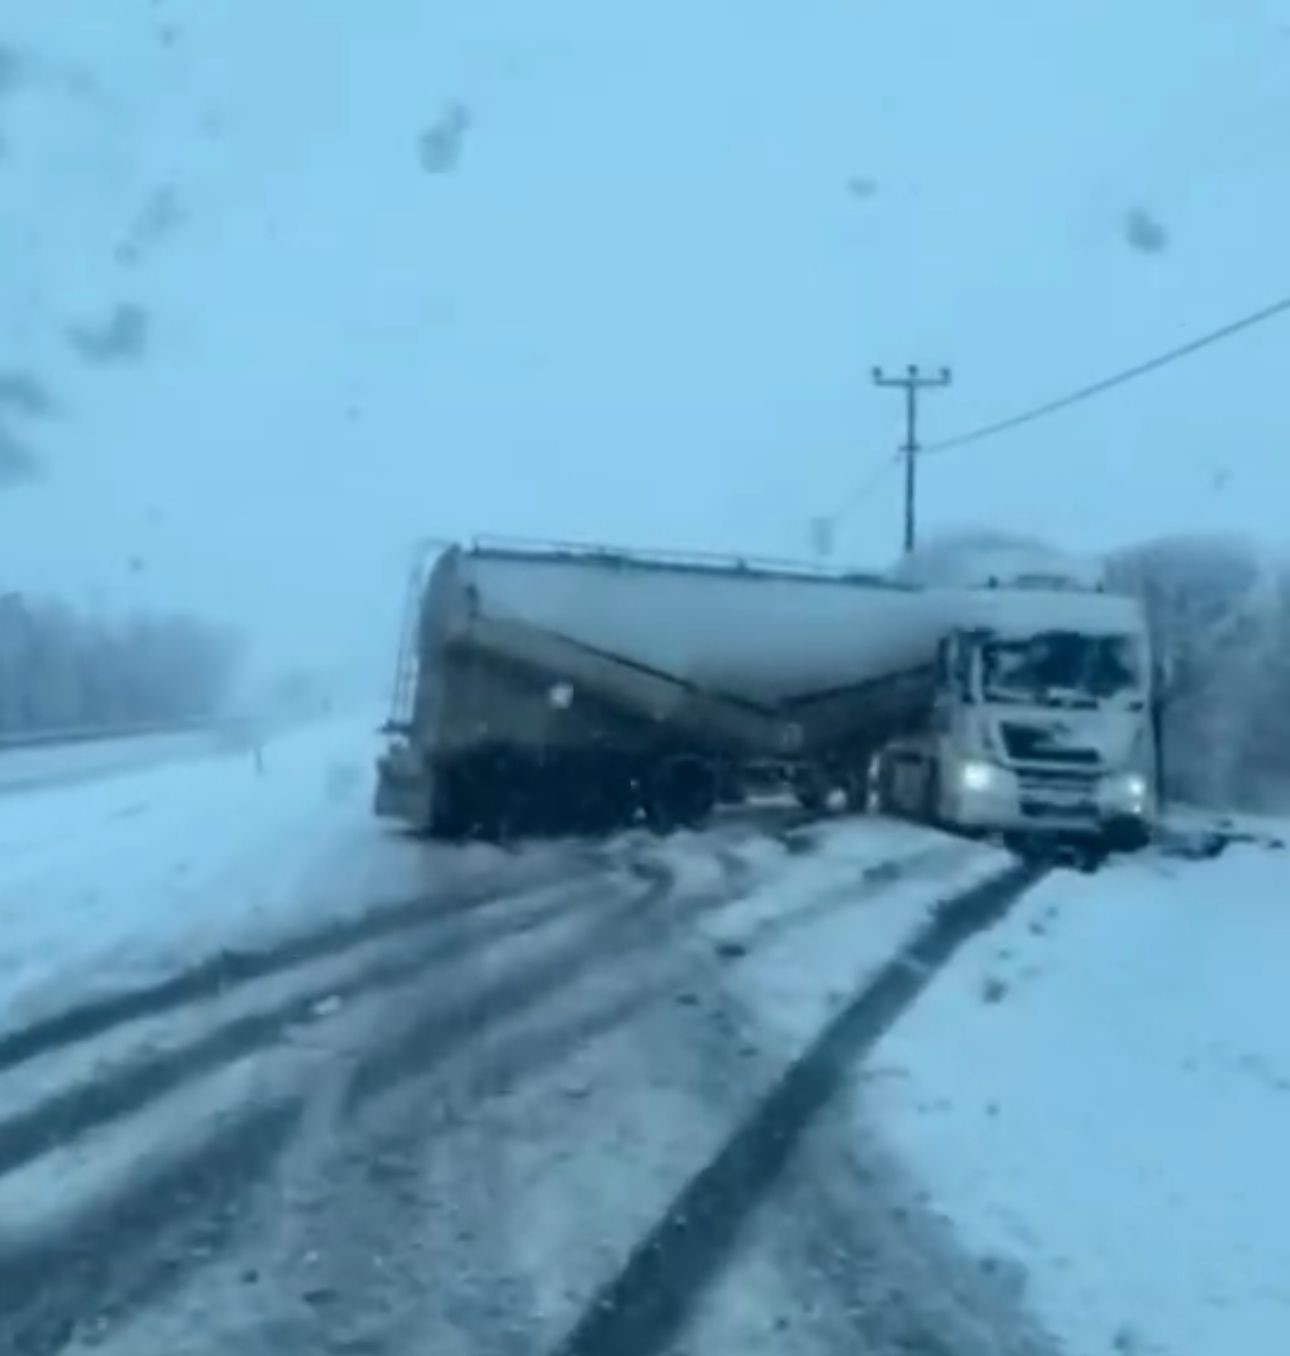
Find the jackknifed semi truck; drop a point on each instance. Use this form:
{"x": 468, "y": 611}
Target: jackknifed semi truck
{"x": 548, "y": 688}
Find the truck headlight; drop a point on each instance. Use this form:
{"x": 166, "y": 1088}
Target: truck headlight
{"x": 977, "y": 775}
{"x": 1128, "y": 791}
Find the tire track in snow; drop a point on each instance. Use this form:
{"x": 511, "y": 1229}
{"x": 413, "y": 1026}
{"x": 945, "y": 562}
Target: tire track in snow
{"x": 442, "y": 1026}
{"x": 162, "y": 1226}
{"x": 123, "y": 1250}
{"x": 412, "y": 1177}
{"x": 231, "y": 968}
{"x": 401, "y": 1196}
{"x": 230, "y": 1169}
{"x": 434, "y": 1033}
{"x": 625, "y": 928}
{"x": 642, "y": 1309}
{"x": 870, "y": 884}
{"x": 131, "y": 1086}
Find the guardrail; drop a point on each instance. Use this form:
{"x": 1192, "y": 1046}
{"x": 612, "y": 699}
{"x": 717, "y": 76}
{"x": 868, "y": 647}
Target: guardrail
{"x": 33, "y": 739}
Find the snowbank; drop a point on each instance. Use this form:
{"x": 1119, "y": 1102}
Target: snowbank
{"x": 1097, "y": 1094}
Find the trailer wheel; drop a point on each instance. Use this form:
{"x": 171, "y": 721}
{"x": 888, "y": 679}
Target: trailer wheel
{"x": 480, "y": 798}
{"x": 682, "y": 793}
{"x": 605, "y": 798}
{"x": 451, "y": 815}
{"x": 811, "y": 791}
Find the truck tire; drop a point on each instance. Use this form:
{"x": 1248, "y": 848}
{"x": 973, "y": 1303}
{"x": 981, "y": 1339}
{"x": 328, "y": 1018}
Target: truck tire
{"x": 878, "y": 799}
{"x": 730, "y": 787}
{"x": 602, "y": 796}
{"x": 479, "y": 798}
{"x": 932, "y": 795}
{"x": 682, "y": 793}
{"x": 1126, "y": 835}
{"x": 451, "y": 813}
{"x": 810, "y": 792}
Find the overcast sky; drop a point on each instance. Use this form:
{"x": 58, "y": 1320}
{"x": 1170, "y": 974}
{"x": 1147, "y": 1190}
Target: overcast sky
{"x": 307, "y": 279}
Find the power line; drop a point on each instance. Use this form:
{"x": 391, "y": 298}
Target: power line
{"x": 1109, "y": 383}
{"x": 825, "y": 524}
{"x": 867, "y": 486}
{"x": 823, "y": 527}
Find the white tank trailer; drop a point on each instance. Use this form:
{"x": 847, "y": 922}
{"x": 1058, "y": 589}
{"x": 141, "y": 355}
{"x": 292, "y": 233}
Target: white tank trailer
{"x": 549, "y": 688}
{"x": 564, "y": 688}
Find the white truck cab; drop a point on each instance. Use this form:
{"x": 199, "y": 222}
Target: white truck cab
{"x": 1041, "y": 723}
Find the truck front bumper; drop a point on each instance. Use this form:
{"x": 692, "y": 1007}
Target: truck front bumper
{"x": 1012, "y": 803}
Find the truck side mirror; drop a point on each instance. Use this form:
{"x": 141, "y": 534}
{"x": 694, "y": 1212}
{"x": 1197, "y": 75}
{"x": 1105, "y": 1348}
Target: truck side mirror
{"x": 950, "y": 670}
{"x": 1166, "y": 677}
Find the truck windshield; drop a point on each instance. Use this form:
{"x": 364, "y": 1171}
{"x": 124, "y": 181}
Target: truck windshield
{"x": 1059, "y": 668}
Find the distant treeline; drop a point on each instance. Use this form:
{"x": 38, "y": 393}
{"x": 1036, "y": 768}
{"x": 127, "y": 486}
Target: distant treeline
{"x": 60, "y": 670}
{"x": 1219, "y": 612}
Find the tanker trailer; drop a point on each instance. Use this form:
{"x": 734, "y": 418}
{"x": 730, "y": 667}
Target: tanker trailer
{"x": 549, "y": 688}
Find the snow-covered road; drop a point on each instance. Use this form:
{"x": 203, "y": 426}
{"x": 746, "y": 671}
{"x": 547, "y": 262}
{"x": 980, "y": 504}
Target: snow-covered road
{"x": 273, "y": 1078}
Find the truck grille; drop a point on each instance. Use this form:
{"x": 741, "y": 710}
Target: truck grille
{"x": 1056, "y": 778}
{"x": 1061, "y": 794}
{"x": 1067, "y": 810}
{"x": 1028, "y": 741}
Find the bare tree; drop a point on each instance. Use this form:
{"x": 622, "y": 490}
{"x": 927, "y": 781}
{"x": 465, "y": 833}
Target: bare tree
{"x": 1219, "y": 612}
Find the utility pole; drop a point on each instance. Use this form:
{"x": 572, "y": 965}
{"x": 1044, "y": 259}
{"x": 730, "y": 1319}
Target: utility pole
{"x": 913, "y": 382}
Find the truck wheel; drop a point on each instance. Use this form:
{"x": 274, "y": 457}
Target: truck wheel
{"x": 857, "y": 792}
{"x": 810, "y": 792}
{"x": 878, "y": 786}
{"x": 683, "y": 793}
{"x": 932, "y": 795}
{"x": 730, "y": 787}
{"x": 1126, "y": 835}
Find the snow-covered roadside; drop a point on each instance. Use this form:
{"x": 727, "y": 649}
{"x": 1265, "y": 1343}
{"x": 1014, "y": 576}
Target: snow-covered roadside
{"x": 1097, "y": 1095}
{"x": 114, "y": 883}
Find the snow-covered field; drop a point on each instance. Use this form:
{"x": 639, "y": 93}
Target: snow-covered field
{"x": 1097, "y": 1095}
